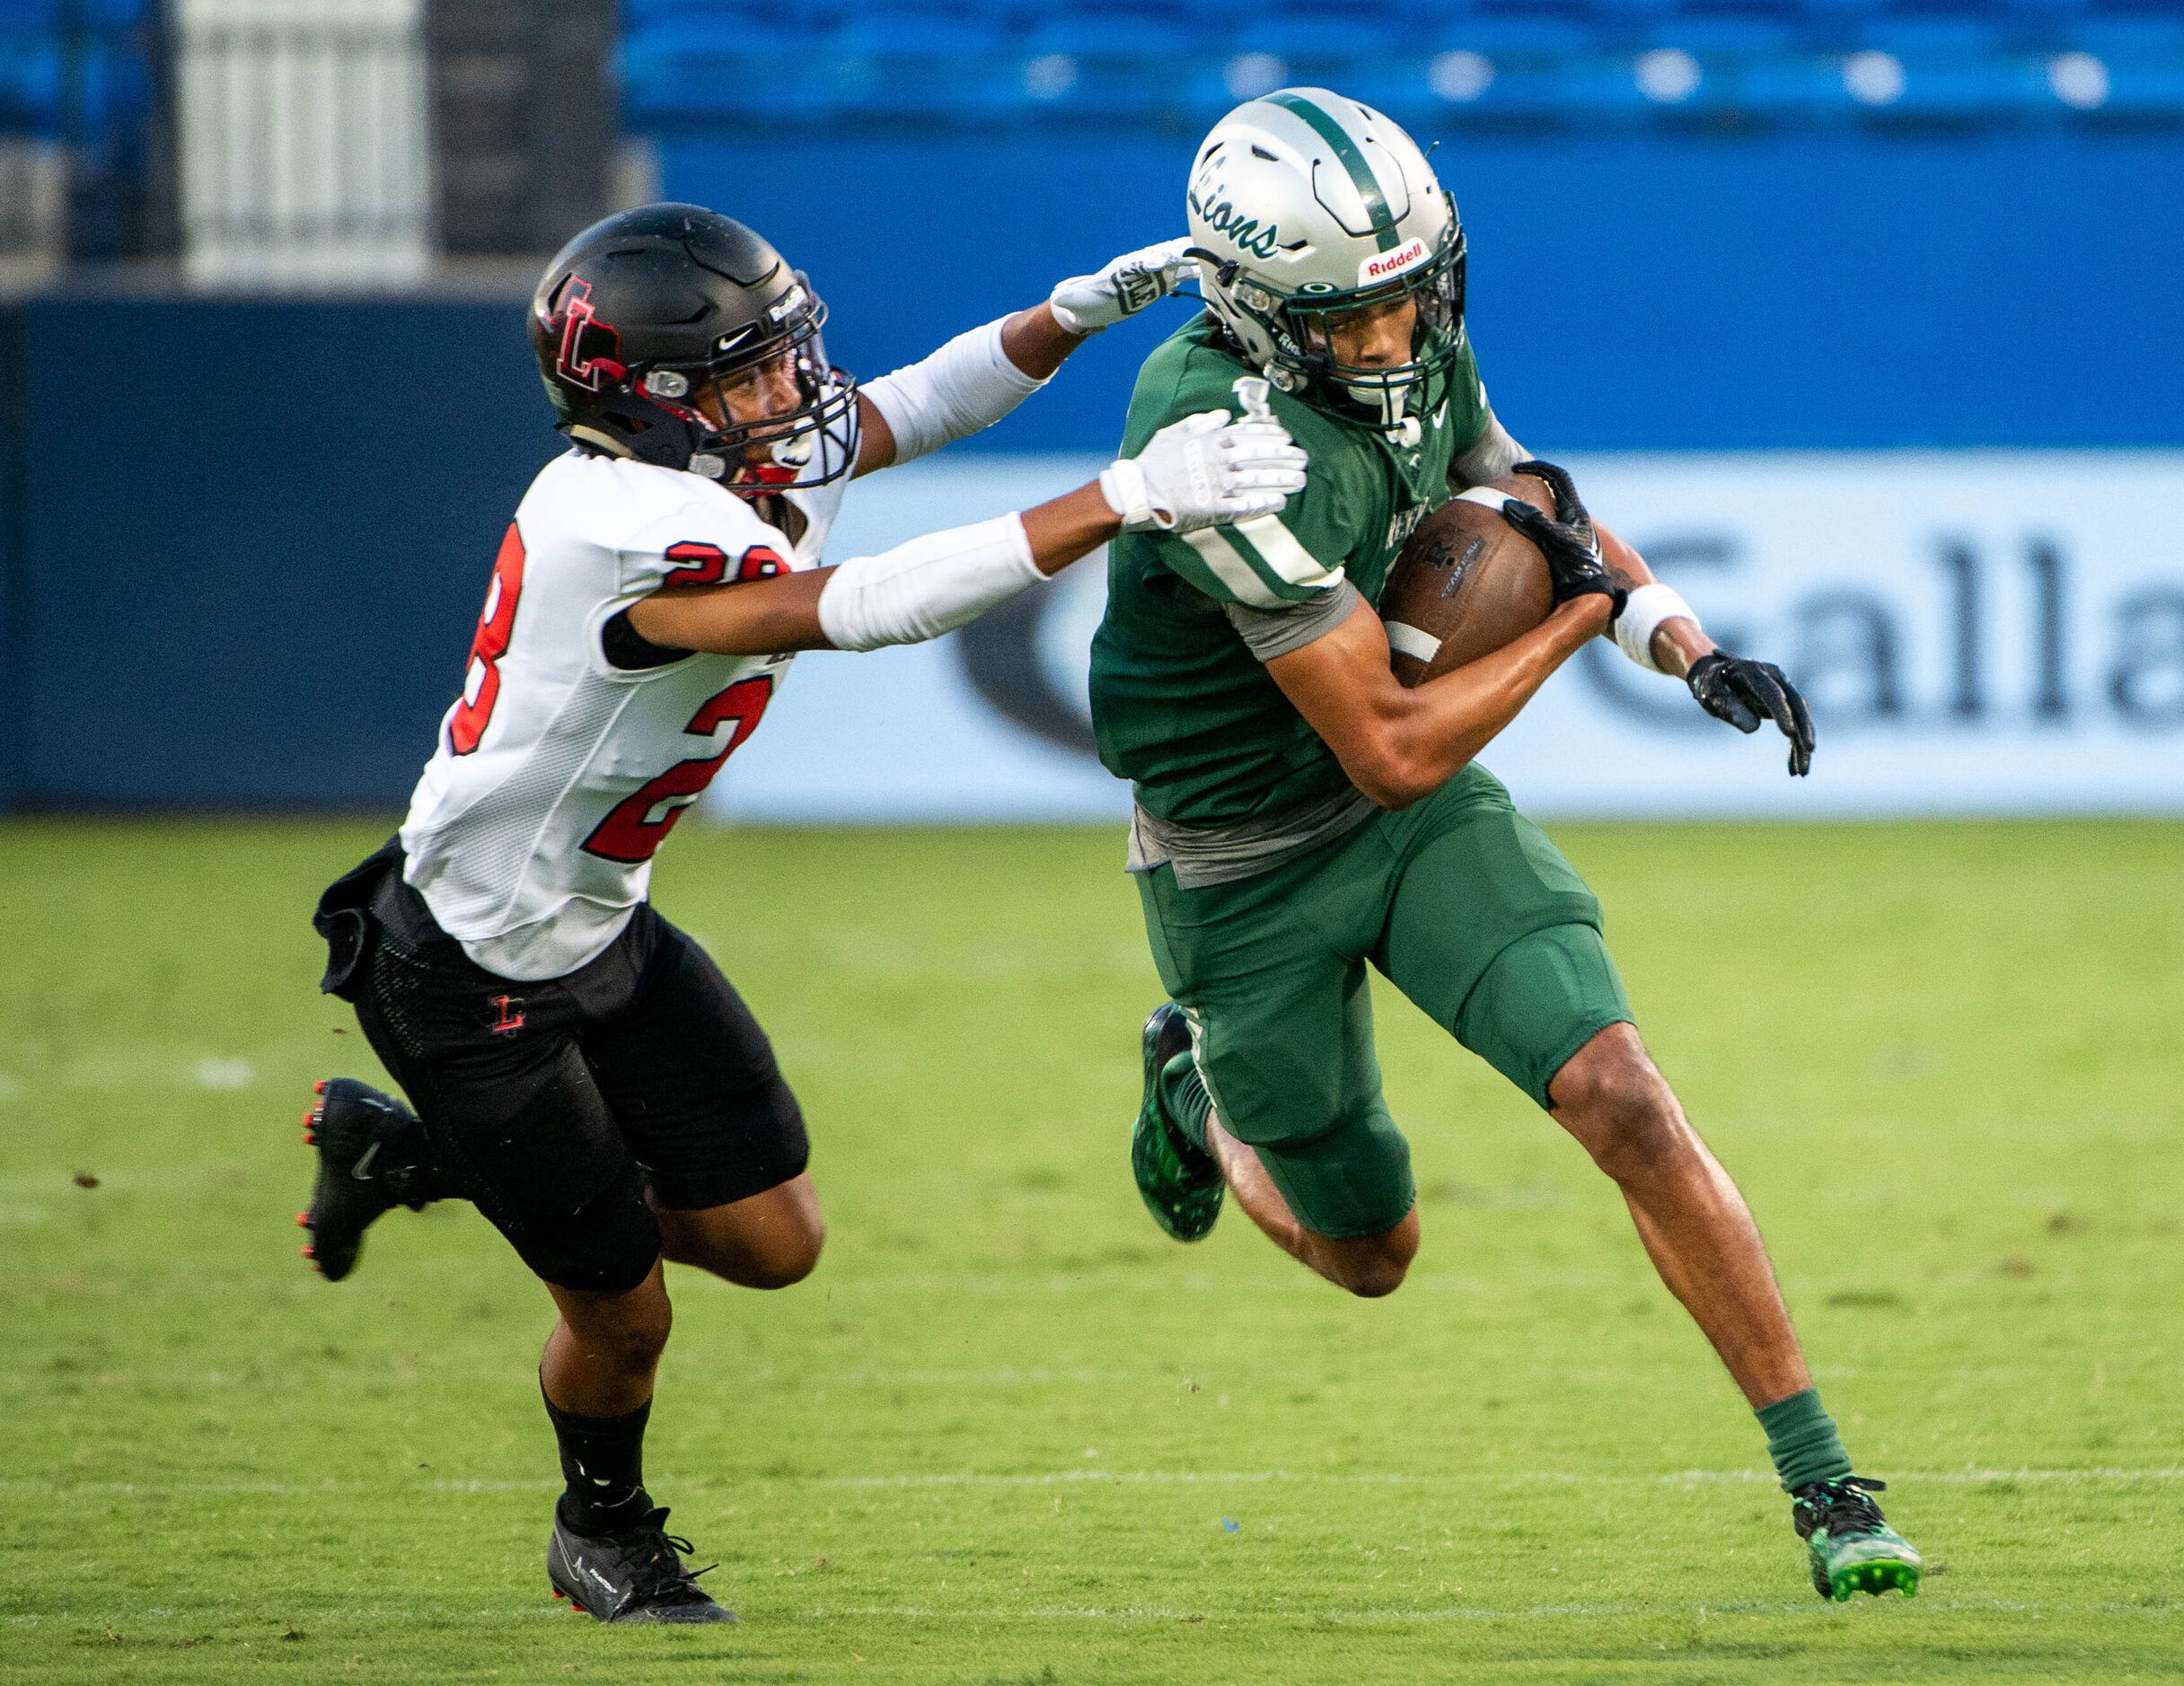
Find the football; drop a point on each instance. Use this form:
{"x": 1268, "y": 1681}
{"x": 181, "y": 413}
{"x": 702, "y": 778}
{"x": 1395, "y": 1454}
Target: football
{"x": 1465, "y": 584}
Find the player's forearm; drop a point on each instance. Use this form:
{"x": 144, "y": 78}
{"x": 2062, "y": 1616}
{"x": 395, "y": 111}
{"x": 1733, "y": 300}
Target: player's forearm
{"x": 765, "y": 617}
{"x": 1679, "y": 640}
{"x": 1440, "y": 726}
{"x": 1398, "y": 745}
{"x": 1199, "y": 472}
{"x": 1065, "y": 528}
{"x": 1036, "y": 343}
{"x": 919, "y": 589}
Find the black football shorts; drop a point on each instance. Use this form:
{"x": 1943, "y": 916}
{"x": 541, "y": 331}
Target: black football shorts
{"x": 554, "y": 1105}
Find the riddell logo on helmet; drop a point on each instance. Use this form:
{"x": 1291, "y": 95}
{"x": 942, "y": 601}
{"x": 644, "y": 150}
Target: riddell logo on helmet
{"x": 1388, "y": 263}
{"x": 787, "y": 304}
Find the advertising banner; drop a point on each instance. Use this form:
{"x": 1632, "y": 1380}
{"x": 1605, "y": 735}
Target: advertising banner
{"x": 1978, "y": 632}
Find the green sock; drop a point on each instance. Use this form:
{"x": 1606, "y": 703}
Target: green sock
{"x": 1182, "y": 1091}
{"x": 1801, "y": 1439}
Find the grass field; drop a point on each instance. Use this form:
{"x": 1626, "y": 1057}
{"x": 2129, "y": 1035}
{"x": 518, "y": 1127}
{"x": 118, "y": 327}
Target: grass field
{"x": 1009, "y": 1433}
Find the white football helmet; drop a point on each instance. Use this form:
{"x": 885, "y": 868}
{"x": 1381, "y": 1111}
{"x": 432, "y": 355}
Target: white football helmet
{"x": 1305, "y": 205}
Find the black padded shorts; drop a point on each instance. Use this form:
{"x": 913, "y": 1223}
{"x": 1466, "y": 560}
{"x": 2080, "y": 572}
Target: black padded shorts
{"x": 554, "y": 1105}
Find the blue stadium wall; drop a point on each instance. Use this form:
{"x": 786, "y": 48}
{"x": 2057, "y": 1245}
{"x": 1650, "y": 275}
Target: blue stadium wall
{"x": 245, "y": 540}
{"x": 1627, "y": 291}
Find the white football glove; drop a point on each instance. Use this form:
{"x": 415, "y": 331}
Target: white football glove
{"x": 1085, "y": 304}
{"x": 1205, "y": 472}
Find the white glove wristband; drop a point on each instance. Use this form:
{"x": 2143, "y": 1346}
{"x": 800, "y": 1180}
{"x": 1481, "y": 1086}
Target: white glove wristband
{"x": 927, "y": 586}
{"x": 1122, "y": 484}
{"x": 1204, "y": 471}
{"x": 1642, "y": 613}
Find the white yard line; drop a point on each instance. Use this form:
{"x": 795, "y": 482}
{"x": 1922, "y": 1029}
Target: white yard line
{"x": 1092, "y": 1475}
{"x": 1287, "y": 1616}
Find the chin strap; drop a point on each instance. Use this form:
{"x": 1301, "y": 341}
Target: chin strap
{"x": 605, "y": 444}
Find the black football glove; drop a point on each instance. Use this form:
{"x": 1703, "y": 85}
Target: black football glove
{"x": 1567, "y": 540}
{"x": 1744, "y": 693}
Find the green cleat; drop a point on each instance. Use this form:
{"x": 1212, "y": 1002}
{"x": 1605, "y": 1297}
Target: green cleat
{"x": 1180, "y": 1184}
{"x": 1852, "y": 1547}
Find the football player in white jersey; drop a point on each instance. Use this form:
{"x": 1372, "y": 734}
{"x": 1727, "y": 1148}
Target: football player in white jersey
{"x": 580, "y": 1069}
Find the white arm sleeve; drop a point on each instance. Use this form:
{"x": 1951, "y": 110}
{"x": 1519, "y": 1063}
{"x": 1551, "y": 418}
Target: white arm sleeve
{"x": 969, "y": 384}
{"x": 926, "y": 587}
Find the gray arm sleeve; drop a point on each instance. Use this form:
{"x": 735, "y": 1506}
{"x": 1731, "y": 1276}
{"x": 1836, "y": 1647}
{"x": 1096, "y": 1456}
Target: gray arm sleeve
{"x": 1495, "y": 455}
{"x": 1271, "y": 632}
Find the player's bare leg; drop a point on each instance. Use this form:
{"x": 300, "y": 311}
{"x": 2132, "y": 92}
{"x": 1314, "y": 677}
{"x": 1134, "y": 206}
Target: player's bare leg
{"x": 1367, "y": 1266}
{"x": 1185, "y": 1164}
{"x": 770, "y": 1240}
{"x": 610, "y": 1553}
{"x": 600, "y": 1359}
{"x": 1702, "y": 1239}
{"x": 1695, "y": 1223}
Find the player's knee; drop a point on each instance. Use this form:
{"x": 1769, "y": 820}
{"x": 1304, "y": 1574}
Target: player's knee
{"x": 769, "y": 1240}
{"x": 1614, "y": 1100}
{"x": 786, "y": 1255}
{"x": 626, "y": 1333}
{"x": 1374, "y": 1268}
{"x": 1374, "y": 1279}
{"x": 640, "y": 1345}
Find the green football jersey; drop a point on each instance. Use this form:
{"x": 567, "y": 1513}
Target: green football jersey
{"x": 1180, "y": 705}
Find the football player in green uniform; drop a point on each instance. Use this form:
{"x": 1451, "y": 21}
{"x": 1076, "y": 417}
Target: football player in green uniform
{"x": 1299, "y": 814}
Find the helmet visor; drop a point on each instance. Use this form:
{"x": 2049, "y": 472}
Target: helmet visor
{"x": 1340, "y": 338}
{"x": 776, "y": 414}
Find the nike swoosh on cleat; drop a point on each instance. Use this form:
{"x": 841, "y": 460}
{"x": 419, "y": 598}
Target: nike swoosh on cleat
{"x": 362, "y": 1169}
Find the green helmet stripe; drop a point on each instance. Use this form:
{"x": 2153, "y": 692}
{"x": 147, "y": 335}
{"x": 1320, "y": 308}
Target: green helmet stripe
{"x": 1361, "y": 177}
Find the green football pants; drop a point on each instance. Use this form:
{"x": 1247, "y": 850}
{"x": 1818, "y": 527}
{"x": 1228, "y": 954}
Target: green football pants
{"x": 1467, "y": 909}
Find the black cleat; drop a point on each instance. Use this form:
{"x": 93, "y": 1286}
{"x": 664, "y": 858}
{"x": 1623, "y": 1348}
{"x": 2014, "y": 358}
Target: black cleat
{"x": 371, "y": 1152}
{"x": 634, "y": 1575}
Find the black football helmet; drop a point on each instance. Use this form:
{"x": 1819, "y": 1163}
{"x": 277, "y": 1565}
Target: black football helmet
{"x": 641, "y": 311}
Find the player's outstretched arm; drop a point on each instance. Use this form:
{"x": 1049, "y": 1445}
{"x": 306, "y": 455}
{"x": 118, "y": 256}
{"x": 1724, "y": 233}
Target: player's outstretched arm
{"x": 977, "y": 378}
{"x": 1201, "y": 471}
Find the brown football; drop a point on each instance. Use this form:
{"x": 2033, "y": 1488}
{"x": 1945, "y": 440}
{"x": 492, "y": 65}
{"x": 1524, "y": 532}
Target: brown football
{"x": 1466, "y": 584}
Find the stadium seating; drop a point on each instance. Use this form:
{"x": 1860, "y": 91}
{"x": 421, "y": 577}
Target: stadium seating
{"x": 76, "y": 72}
{"x": 1553, "y": 63}
{"x": 71, "y": 69}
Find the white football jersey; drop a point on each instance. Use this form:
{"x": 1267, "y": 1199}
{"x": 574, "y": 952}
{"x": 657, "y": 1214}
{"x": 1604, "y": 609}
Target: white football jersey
{"x": 532, "y": 833}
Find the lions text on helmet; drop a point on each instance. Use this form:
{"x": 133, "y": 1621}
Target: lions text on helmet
{"x": 1331, "y": 255}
